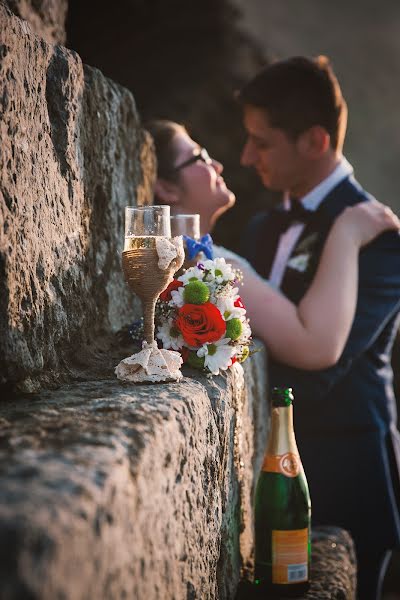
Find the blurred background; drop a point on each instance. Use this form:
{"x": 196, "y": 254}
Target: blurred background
{"x": 183, "y": 60}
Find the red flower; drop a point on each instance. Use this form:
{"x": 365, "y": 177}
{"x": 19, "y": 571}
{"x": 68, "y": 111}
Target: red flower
{"x": 165, "y": 296}
{"x": 200, "y": 323}
{"x": 238, "y": 303}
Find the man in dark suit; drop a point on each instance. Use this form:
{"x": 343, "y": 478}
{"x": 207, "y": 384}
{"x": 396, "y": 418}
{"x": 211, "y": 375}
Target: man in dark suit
{"x": 345, "y": 416}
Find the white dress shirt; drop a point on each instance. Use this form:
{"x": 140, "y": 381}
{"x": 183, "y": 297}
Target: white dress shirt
{"x": 310, "y": 201}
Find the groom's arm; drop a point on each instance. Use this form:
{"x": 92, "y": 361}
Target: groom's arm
{"x": 378, "y": 302}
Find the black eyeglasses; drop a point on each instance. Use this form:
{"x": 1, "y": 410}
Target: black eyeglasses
{"x": 202, "y": 155}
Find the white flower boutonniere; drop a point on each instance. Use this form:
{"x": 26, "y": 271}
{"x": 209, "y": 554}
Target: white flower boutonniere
{"x": 299, "y": 262}
{"x": 307, "y": 243}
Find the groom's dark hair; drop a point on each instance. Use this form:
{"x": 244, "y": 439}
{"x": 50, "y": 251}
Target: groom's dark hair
{"x": 297, "y": 94}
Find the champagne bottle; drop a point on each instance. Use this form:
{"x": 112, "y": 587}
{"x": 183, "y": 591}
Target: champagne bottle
{"x": 282, "y": 508}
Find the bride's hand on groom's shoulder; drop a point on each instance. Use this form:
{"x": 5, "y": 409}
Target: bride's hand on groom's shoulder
{"x": 367, "y": 220}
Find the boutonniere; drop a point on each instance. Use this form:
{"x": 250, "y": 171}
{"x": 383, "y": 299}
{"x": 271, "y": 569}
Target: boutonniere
{"x": 299, "y": 262}
{"x": 306, "y": 244}
{"x": 303, "y": 253}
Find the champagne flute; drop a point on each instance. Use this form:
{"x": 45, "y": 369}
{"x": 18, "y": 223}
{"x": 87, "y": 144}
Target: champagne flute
{"x": 147, "y": 230}
{"x": 186, "y": 225}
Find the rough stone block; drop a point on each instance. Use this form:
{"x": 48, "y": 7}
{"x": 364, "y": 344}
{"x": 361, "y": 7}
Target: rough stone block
{"x": 118, "y": 491}
{"x": 46, "y": 17}
{"x": 334, "y": 565}
{"x": 72, "y": 156}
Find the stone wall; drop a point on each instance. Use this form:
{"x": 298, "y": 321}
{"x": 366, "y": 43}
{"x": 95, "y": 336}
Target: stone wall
{"x": 46, "y": 17}
{"x": 119, "y": 491}
{"x": 105, "y": 490}
{"x": 72, "y": 156}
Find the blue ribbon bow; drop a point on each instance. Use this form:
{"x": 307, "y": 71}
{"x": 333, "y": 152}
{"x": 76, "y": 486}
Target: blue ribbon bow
{"x": 205, "y": 244}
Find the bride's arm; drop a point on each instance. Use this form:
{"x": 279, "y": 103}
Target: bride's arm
{"x": 312, "y": 335}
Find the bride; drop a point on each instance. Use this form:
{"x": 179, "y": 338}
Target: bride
{"x": 311, "y": 335}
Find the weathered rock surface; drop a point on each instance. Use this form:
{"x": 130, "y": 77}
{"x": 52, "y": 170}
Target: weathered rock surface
{"x": 46, "y": 17}
{"x": 334, "y": 567}
{"x": 118, "y": 491}
{"x": 72, "y": 156}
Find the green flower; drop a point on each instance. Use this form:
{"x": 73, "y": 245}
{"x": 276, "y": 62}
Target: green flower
{"x": 234, "y": 329}
{"x": 196, "y": 292}
{"x": 197, "y": 362}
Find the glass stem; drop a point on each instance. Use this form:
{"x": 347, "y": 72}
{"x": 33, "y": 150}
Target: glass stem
{"x": 148, "y": 317}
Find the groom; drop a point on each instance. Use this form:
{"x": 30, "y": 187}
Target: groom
{"x": 345, "y": 416}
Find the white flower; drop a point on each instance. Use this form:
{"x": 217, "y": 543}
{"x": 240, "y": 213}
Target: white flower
{"x": 246, "y": 333}
{"x": 217, "y": 356}
{"x": 299, "y": 262}
{"x": 307, "y": 242}
{"x": 174, "y": 341}
{"x": 226, "y": 305}
{"x": 219, "y": 270}
{"x": 177, "y": 297}
{"x": 189, "y": 274}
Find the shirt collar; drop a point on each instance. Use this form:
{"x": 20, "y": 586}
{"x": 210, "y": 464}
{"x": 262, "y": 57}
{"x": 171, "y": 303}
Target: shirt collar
{"x": 313, "y": 199}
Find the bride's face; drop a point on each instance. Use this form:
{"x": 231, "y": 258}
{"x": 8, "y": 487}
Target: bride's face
{"x": 202, "y": 188}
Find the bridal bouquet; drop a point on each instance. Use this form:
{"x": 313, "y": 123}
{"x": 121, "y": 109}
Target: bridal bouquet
{"x": 201, "y": 315}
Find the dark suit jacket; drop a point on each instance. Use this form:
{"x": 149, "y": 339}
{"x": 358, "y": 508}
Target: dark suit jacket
{"x": 345, "y": 416}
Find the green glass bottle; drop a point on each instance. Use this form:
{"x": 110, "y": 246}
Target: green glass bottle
{"x": 282, "y": 508}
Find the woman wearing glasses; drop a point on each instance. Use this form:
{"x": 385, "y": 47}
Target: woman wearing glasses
{"x": 187, "y": 178}
{"x": 311, "y": 335}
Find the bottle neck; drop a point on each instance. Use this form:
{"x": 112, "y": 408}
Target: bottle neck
{"x": 281, "y": 436}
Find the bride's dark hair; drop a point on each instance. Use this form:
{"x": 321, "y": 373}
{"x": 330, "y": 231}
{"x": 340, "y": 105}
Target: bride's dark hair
{"x": 163, "y": 132}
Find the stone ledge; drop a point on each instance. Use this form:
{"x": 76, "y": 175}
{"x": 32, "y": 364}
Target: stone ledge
{"x": 110, "y": 491}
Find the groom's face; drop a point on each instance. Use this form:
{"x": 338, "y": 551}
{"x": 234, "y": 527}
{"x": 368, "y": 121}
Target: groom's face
{"x": 277, "y": 158}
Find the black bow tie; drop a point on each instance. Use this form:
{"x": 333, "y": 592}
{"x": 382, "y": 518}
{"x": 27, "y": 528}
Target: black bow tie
{"x": 296, "y": 214}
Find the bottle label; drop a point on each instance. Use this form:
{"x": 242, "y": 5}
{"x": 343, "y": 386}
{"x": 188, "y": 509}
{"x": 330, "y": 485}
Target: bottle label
{"x": 289, "y": 556}
{"x": 288, "y": 464}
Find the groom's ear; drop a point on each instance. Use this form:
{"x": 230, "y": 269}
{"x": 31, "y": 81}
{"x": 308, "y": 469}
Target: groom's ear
{"x": 166, "y": 191}
{"x": 314, "y": 142}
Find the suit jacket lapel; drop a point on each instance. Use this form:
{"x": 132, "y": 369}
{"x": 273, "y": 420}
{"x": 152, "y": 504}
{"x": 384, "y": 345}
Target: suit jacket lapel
{"x": 304, "y": 258}
{"x": 267, "y": 239}
{"x": 296, "y": 281}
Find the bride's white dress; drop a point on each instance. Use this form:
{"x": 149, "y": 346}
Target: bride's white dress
{"x": 239, "y": 262}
